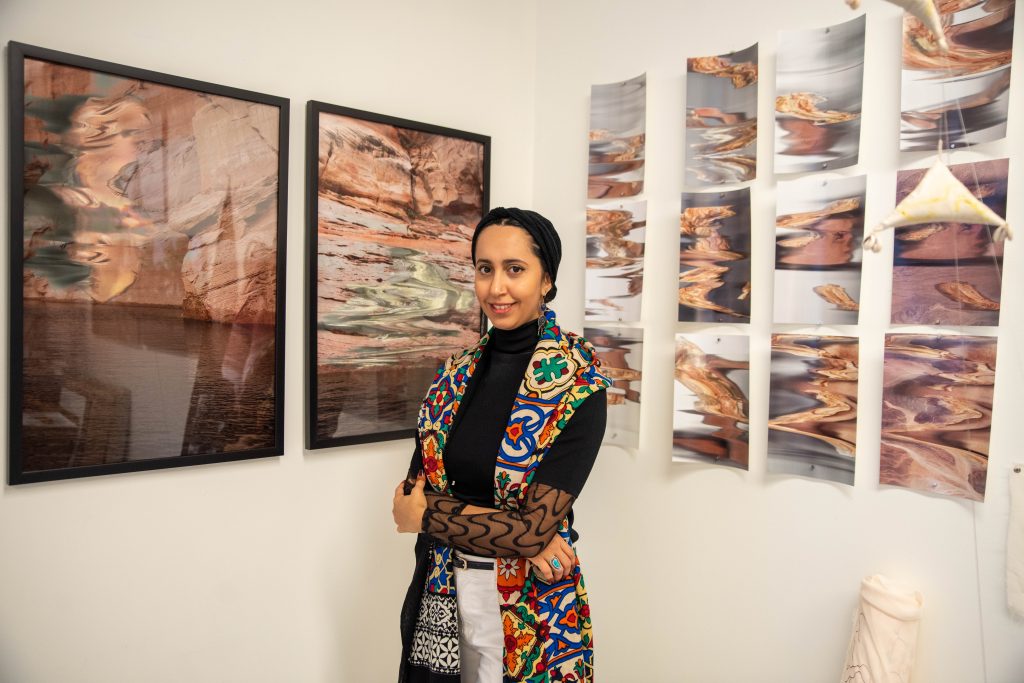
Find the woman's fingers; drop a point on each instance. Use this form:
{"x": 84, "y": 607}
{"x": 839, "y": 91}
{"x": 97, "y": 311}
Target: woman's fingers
{"x": 567, "y": 550}
{"x": 555, "y": 562}
{"x": 560, "y": 556}
{"x": 541, "y": 567}
{"x": 561, "y": 563}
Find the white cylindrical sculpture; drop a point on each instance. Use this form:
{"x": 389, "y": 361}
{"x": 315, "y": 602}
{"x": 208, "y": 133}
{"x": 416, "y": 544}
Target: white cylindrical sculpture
{"x": 884, "y": 639}
{"x": 1015, "y": 543}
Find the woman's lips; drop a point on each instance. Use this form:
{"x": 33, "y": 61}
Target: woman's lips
{"x": 501, "y": 309}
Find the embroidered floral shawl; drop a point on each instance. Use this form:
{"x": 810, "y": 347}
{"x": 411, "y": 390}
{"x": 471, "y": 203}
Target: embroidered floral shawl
{"x": 546, "y": 626}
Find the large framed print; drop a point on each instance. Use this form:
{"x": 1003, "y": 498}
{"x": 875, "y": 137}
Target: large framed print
{"x": 147, "y": 257}
{"x": 391, "y": 206}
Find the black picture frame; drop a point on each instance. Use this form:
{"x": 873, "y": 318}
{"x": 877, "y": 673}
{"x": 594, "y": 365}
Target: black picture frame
{"x": 327, "y": 400}
{"x": 65, "y": 421}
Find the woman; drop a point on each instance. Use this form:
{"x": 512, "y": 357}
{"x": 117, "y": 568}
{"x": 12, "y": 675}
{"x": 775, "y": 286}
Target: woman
{"x": 507, "y": 435}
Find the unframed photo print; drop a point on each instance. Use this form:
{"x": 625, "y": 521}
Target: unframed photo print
{"x": 621, "y": 353}
{"x": 819, "y": 225}
{"x": 721, "y": 118}
{"x": 937, "y": 413}
{"x": 812, "y": 409}
{"x": 615, "y": 261}
{"x": 818, "y": 83}
{"x": 960, "y": 97}
{"x": 710, "y": 421}
{"x": 951, "y": 273}
{"x": 617, "y": 139}
{"x": 714, "y": 256}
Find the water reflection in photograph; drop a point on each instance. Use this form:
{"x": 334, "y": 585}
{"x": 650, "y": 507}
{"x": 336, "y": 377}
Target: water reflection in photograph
{"x": 147, "y": 330}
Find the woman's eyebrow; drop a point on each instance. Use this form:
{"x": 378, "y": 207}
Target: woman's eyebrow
{"x": 504, "y": 263}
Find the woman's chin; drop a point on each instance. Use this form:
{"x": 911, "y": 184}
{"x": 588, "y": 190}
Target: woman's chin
{"x": 504, "y": 324}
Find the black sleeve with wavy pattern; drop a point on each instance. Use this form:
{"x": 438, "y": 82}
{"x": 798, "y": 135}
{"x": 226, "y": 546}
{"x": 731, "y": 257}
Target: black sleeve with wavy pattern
{"x": 502, "y": 533}
{"x": 416, "y": 464}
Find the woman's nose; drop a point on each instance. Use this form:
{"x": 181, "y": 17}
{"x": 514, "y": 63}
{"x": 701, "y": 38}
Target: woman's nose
{"x": 497, "y": 283}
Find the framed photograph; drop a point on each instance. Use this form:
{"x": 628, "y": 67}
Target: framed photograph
{"x": 147, "y": 258}
{"x": 391, "y": 206}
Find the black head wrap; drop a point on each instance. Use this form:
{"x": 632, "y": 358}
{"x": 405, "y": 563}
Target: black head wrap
{"x": 540, "y": 229}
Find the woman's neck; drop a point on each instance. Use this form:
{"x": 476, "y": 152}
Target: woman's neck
{"x": 517, "y": 340}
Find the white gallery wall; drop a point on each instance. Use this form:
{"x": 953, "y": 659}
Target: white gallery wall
{"x": 704, "y": 573}
{"x": 288, "y": 569}
{"x": 277, "y": 570}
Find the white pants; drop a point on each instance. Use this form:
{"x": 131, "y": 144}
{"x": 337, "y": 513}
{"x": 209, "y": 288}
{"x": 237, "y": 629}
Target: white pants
{"x": 480, "y": 635}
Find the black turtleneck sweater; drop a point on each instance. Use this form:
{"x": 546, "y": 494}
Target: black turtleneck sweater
{"x": 475, "y": 437}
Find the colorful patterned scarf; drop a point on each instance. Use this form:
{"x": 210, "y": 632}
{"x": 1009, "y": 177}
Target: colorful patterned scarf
{"x": 546, "y": 626}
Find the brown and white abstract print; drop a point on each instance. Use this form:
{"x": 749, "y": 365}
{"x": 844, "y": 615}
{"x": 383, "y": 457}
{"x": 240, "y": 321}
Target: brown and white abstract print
{"x": 714, "y": 256}
{"x": 951, "y": 273}
{"x": 710, "y": 421}
{"x": 819, "y": 225}
{"x": 617, "y": 139}
{"x": 937, "y": 413}
{"x": 721, "y": 118}
{"x": 812, "y": 409}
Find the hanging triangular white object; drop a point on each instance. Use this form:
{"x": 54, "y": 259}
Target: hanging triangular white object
{"x": 926, "y": 12}
{"x": 940, "y": 198}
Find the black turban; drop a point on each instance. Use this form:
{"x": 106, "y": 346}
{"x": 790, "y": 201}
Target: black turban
{"x": 540, "y": 229}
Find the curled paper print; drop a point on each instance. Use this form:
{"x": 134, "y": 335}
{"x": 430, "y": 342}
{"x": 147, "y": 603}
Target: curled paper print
{"x": 926, "y": 12}
{"x": 940, "y": 198}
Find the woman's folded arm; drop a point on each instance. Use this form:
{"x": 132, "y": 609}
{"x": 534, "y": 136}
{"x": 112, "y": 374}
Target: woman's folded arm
{"x": 498, "y": 533}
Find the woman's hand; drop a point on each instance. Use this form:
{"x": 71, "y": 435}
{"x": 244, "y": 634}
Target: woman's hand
{"x": 408, "y": 509}
{"x": 556, "y": 561}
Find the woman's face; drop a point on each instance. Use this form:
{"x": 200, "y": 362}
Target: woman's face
{"x": 510, "y": 280}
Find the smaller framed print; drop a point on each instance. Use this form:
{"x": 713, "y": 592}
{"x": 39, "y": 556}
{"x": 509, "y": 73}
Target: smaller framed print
{"x": 391, "y": 206}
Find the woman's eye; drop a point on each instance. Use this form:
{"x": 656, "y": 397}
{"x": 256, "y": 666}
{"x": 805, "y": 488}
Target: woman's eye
{"x": 516, "y": 269}
{"x": 483, "y": 270}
